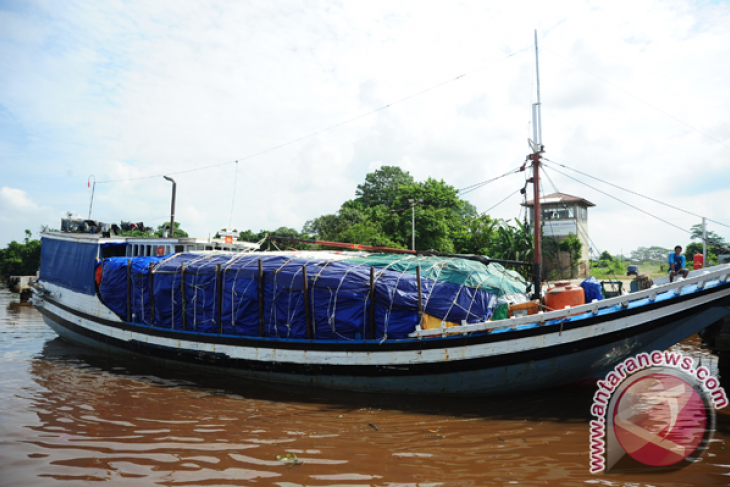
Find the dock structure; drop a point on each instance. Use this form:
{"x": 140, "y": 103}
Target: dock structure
{"x": 21, "y": 285}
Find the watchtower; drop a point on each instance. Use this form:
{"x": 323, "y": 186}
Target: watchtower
{"x": 563, "y": 214}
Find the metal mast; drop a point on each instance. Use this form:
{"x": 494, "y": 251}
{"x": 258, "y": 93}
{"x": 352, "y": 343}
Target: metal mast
{"x": 537, "y": 149}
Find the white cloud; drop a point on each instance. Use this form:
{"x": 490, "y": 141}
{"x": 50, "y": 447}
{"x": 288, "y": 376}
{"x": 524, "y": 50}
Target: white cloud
{"x": 18, "y": 213}
{"x": 124, "y": 90}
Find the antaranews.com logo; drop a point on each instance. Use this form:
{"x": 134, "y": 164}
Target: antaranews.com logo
{"x": 655, "y": 411}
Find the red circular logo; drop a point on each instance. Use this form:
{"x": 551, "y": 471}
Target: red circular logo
{"x": 659, "y": 420}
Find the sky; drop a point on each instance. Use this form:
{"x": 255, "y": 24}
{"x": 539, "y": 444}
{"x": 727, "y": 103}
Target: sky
{"x": 310, "y": 96}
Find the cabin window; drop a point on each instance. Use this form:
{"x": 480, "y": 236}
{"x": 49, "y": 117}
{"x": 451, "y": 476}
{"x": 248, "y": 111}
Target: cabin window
{"x": 178, "y": 248}
{"x": 113, "y": 250}
{"x": 558, "y": 213}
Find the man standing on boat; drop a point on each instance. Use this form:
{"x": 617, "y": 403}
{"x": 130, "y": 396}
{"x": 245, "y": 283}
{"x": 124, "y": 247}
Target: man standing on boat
{"x": 677, "y": 264}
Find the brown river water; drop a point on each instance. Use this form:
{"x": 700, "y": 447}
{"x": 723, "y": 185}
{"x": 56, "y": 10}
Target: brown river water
{"x": 71, "y": 416}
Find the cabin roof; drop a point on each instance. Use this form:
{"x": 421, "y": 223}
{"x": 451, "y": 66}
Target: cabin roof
{"x": 559, "y": 198}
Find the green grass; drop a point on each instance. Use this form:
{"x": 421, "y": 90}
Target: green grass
{"x": 645, "y": 269}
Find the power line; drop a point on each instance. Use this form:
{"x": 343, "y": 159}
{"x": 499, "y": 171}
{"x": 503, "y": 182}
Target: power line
{"x": 331, "y": 127}
{"x": 636, "y": 208}
{"x": 638, "y": 194}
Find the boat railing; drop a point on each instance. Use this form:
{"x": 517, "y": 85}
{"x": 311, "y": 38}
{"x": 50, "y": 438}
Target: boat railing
{"x": 721, "y": 274}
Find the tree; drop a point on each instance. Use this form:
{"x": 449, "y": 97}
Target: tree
{"x": 179, "y": 232}
{"x": 711, "y": 237}
{"x": 381, "y": 186}
{"x": 696, "y": 248}
{"x": 573, "y": 246}
{"x": 605, "y": 256}
{"x": 715, "y": 243}
{"x": 19, "y": 259}
{"x": 650, "y": 254}
{"x": 477, "y": 235}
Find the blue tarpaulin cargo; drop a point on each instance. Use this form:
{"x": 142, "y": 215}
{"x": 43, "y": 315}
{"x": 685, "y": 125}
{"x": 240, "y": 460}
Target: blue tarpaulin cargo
{"x": 339, "y": 296}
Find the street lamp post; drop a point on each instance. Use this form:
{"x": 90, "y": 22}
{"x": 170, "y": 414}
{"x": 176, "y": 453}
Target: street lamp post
{"x": 172, "y": 209}
{"x": 413, "y": 221}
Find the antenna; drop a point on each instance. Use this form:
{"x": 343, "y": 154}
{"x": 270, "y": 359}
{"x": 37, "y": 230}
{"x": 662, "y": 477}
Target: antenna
{"x": 539, "y": 107}
{"x": 91, "y": 192}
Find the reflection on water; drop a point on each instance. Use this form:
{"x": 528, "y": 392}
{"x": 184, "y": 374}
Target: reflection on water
{"x": 69, "y": 415}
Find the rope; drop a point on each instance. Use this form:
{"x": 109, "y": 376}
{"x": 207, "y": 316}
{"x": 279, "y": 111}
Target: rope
{"x": 476, "y": 186}
{"x": 637, "y": 208}
{"x": 638, "y": 194}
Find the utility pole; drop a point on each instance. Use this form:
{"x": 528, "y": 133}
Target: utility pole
{"x": 413, "y": 203}
{"x": 413, "y": 226}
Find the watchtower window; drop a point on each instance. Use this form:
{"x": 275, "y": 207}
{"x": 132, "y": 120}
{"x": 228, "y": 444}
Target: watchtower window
{"x": 558, "y": 213}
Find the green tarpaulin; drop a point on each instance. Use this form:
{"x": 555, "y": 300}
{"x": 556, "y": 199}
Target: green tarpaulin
{"x": 492, "y": 278}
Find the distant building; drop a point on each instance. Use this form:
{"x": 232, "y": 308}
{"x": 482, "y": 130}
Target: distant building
{"x": 563, "y": 214}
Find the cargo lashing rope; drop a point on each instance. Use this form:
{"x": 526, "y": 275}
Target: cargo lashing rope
{"x": 199, "y": 281}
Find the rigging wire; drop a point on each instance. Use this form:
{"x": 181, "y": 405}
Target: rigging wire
{"x": 476, "y": 186}
{"x": 637, "y": 208}
{"x": 640, "y": 99}
{"x": 331, "y": 127}
{"x": 502, "y": 201}
{"x": 637, "y": 194}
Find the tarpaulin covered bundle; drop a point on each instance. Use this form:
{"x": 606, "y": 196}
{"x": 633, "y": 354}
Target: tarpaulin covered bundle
{"x": 492, "y": 278}
{"x": 69, "y": 264}
{"x": 339, "y": 296}
{"x": 592, "y": 289}
{"x": 113, "y": 286}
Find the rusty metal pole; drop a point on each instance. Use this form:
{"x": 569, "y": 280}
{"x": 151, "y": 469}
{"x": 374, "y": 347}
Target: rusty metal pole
{"x": 183, "y": 292}
{"x": 261, "y": 298}
{"x": 152, "y": 294}
{"x": 372, "y": 303}
{"x": 537, "y": 220}
{"x": 420, "y": 304}
{"x": 129, "y": 290}
{"x": 219, "y": 297}
{"x": 307, "y": 314}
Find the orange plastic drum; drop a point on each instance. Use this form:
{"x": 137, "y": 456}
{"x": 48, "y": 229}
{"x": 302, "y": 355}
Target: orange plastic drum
{"x": 564, "y": 294}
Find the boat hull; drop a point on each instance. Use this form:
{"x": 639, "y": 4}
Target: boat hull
{"x": 483, "y": 364}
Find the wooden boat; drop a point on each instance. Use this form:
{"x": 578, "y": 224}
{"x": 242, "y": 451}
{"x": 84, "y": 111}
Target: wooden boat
{"x": 335, "y": 320}
{"x": 473, "y": 358}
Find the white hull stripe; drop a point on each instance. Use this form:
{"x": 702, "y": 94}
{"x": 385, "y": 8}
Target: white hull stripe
{"x": 391, "y": 358}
